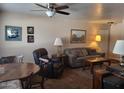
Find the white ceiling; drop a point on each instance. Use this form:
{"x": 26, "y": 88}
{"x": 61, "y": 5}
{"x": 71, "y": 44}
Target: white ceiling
{"x": 87, "y": 11}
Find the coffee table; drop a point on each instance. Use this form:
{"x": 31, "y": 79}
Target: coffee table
{"x": 97, "y": 60}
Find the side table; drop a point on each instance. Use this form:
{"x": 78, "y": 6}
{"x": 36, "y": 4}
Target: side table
{"x": 97, "y": 60}
{"x": 63, "y": 58}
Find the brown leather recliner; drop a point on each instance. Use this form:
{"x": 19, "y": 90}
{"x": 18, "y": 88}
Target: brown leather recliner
{"x": 52, "y": 69}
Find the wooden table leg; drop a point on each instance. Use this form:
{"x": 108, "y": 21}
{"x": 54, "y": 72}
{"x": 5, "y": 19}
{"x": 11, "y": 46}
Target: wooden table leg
{"x": 91, "y": 68}
{"x": 83, "y": 67}
{"x": 22, "y": 83}
{"x": 42, "y": 82}
{"x": 97, "y": 80}
{"x": 109, "y": 63}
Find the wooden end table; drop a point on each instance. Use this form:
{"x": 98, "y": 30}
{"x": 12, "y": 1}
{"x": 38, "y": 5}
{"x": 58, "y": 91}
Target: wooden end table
{"x": 63, "y": 58}
{"x": 97, "y": 60}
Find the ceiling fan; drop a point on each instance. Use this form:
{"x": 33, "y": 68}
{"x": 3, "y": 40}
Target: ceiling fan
{"x": 53, "y": 8}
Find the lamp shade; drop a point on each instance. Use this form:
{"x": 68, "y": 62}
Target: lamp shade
{"x": 58, "y": 42}
{"x": 119, "y": 47}
{"x": 98, "y": 38}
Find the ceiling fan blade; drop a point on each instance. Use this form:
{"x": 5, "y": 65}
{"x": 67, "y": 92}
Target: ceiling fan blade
{"x": 38, "y": 10}
{"x": 62, "y": 12}
{"x": 61, "y": 7}
{"x": 41, "y": 6}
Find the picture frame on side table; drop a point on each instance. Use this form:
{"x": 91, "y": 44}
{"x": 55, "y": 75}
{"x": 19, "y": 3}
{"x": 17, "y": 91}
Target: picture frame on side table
{"x": 13, "y": 33}
{"x": 30, "y": 30}
{"x": 30, "y": 38}
{"x": 78, "y": 36}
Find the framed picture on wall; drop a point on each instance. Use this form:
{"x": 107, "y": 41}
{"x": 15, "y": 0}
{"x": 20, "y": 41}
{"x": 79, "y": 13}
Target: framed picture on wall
{"x": 78, "y": 36}
{"x": 30, "y": 30}
{"x": 30, "y": 38}
{"x": 13, "y": 33}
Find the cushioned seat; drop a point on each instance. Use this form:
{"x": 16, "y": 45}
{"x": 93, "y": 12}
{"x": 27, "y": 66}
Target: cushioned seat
{"x": 112, "y": 82}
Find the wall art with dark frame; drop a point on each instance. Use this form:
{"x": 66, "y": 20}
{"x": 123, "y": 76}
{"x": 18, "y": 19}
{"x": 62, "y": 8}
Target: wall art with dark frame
{"x": 78, "y": 36}
{"x": 30, "y": 30}
{"x": 13, "y": 33}
{"x": 30, "y": 38}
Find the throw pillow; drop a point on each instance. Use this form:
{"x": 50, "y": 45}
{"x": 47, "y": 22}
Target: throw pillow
{"x": 92, "y": 51}
{"x": 84, "y": 51}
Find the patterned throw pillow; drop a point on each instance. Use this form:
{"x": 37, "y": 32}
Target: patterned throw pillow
{"x": 92, "y": 52}
{"x": 84, "y": 51}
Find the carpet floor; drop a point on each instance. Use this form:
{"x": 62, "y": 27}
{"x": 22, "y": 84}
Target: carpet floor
{"x": 71, "y": 79}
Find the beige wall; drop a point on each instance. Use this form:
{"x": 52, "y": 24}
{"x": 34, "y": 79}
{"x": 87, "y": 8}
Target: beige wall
{"x": 117, "y": 33}
{"x": 46, "y": 30}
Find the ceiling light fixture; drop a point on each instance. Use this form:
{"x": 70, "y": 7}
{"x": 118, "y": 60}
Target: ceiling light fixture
{"x": 50, "y": 13}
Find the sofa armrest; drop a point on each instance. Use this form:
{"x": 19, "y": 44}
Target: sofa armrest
{"x": 72, "y": 58}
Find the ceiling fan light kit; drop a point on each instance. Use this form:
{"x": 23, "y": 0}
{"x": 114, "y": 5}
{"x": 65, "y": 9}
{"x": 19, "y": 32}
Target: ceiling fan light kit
{"x": 50, "y": 13}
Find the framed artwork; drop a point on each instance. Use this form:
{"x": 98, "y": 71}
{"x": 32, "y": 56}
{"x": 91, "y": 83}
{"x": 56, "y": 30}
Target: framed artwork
{"x": 13, "y": 33}
{"x": 78, "y": 36}
{"x": 30, "y": 30}
{"x": 30, "y": 38}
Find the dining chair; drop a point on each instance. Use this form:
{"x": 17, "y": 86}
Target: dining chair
{"x": 12, "y": 59}
{"x": 25, "y": 83}
{"x": 12, "y": 84}
{"x": 19, "y": 58}
{"x": 8, "y": 59}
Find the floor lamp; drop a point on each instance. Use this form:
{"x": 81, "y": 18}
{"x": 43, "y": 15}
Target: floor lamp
{"x": 109, "y": 34}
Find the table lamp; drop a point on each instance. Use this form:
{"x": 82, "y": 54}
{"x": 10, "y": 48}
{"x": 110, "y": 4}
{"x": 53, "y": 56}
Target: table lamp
{"x": 98, "y": 38}
{"x": 119, "y": 49}
{"x": 58, "y": 43}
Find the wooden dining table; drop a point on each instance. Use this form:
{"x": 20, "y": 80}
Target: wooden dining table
{"x": 14, "y": 71}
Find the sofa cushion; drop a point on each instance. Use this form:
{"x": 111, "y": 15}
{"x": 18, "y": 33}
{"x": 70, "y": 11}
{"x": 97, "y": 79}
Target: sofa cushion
{"x": 77, "y": 52}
